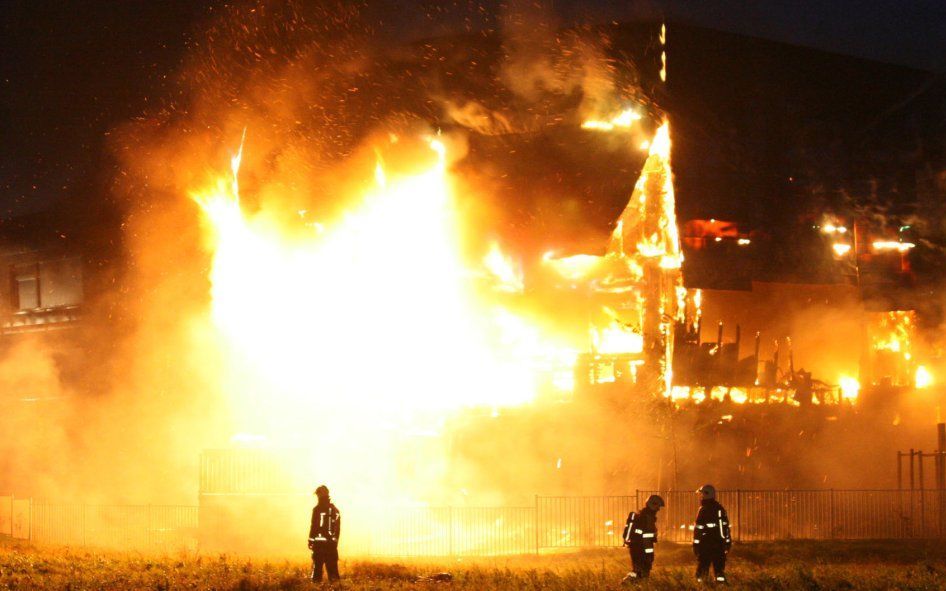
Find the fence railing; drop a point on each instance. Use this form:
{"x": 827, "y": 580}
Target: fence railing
{"x": 753, "y": 514}
{"x": 551, "y": 522}
{"x": 450, "y": 531}
{"x": 15, "y": 517}
{"x": 141, "y": 527}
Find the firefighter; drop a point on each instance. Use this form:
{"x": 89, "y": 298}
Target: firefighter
{"x": 640, "y": 535}
{"x": 323, "y": 536}
{"x": 711, "y": 536}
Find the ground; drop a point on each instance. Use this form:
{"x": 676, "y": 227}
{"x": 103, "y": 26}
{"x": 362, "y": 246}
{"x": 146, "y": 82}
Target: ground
{"x": 781, "y": 565}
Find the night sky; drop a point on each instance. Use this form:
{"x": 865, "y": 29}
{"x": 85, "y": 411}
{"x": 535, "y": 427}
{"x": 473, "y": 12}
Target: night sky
{"x": 71, "y": 71}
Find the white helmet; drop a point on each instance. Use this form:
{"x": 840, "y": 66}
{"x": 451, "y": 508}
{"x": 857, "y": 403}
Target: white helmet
{"x": 708, "y": 491}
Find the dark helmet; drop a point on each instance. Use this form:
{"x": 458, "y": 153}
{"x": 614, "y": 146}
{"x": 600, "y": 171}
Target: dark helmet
{"x": 708, "y": 491}
{"x": 655, "y": 500}
{"x": 322, "y": 492}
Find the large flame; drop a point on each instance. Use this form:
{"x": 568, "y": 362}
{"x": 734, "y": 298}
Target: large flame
{"x": 371, "y": 328}
{"x": 377, "y": 326}
{"x": 378, "y": 303}
{"x": 643, "y": 264}
{"x": 625, "y": 119}
{"x": 892, "y": 341}
{"x": 850, "y": 387}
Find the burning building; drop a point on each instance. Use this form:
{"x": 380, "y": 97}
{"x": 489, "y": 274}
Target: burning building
{"x": 399, "y": 264}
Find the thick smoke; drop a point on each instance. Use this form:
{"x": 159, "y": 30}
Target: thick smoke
{"x": 542, "y": 59}
{"x": 542, "y": 71}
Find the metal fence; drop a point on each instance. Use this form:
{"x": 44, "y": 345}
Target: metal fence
{"x": 754, "y": 514}
{"x": 119, "y": 526}
{"x": 550, "y": 523}
{"x": 15, "y": 517}
{"x": 581, "y": 522}
{"x": 139, "y": 527}
{"x": 451, "y": 531}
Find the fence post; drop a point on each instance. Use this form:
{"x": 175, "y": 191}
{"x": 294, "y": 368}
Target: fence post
{"x": 535, "y": 519}
{"x": 912, "y": 479}
{"x": 899, "y": 470}
{"x": 738, "y": 528}
{"x": 919, "y": 458}
{"x": 831, "y": 522}
{"x": 450, "y": 522}
{"x": 30, "y": 534}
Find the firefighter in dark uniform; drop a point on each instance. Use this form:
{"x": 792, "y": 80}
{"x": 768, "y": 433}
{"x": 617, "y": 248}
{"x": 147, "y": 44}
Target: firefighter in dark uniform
{"x": 323, "y": 536}
{"x": 640, "y": 535}
{"x": 711, "y": 536}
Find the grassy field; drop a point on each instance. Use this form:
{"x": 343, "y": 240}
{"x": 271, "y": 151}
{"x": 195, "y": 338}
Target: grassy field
{"x": 784, "y": 565}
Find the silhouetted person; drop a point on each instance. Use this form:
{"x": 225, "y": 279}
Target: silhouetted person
{"x": 711, "y": 537}
{"x": 640, "y": 535}
{"x": 804, "y": 387}
{"x": 323, "y": 536}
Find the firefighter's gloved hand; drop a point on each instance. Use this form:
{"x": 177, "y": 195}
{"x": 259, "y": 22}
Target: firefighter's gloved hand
{"x": 311, "y": 545}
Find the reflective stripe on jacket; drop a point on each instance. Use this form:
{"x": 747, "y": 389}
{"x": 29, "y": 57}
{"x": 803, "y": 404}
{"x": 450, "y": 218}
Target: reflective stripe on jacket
{"x": 326, "y": 524}
{"x": 641, "y": 529}
{"x": 712, "y": 526}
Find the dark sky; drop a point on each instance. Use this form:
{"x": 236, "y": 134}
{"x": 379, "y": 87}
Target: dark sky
{"x": 70, "y": 71}
{"x": 906, "y": 32}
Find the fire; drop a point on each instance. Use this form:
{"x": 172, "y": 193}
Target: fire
{"x": 892, "y": 245}
{"x": 698, "y": 395}
{"x": 841, "y": 249}
{"x": 894, "y": 332}
{"x": 503, "y": 270}
{"x": 646, "y": 242}
{"x": 373, "y": 326}
{"x": 662, "y": 239}
{"x": 892, "y": 342}
{"x": 379, "y": 323}
{"x": 653, "y": 216}
{"x": 623, "y": 120}
{"x": 617, "y": 338}
{"x": 575, "y": 267}
{"x": 642, "y": 265}
{"x": 832, "y": 228}
{"x": 739, "y": 395}
{"x": 898, "y": 355}
{"x": 387, "y": 284}
{"x": 663, "y": 52}
{"x": 850, "y": 388}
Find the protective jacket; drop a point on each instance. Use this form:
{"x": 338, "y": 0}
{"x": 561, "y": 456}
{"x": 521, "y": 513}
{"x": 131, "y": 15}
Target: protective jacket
{"x": 711, "y": 530}
{"x": 640, "y": 530}
{"x": 326, "y": 524}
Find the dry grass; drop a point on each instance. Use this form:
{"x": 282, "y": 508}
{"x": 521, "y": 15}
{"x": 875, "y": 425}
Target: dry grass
{"x": 787, "y": 565}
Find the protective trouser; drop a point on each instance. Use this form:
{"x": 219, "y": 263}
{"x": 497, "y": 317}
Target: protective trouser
{"x": 714, "y": 556}
{"x": 642, "y": 560}
{"x": 324, "y": 554}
